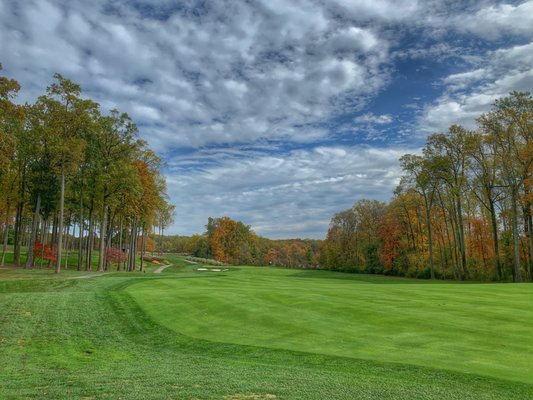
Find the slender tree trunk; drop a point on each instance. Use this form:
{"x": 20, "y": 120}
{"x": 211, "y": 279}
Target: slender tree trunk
{"x": 143, "y": 237}
{"x": 452, "y": 233}
{"x": 159, "y": 240}
{"x": 442, "y": 251}
{"x": 35, "y": 225}
{"x": 80, "y": 244}
{"x": 430, "y": 237}
{"x": 68, "y": 239}
{"x": 133, "y": 242}
{"x": 43, "y": 240}
{"x": 130, "y": 250}
{"x": 517, "y": 274}
{"x": 530, "y": 237}
{"x": 461, "y": 236}
{"x": 18, "y": 218}
{"x": 6, "y": 233}
{"x": 496, "y": 244}
{"x": 18, "y": 223}
{"x": 89, "y": 247}
{"x": 61, "y": 220}
{"x": 103, "y": 229}
{"x": 120, "y": 240}
{"x": 109, "y": 236}
{"x": 529, "y": 227}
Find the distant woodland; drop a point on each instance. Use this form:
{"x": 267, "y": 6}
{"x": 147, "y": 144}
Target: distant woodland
{"x": 462, "y": 211}
{"x": 75, "y": 178}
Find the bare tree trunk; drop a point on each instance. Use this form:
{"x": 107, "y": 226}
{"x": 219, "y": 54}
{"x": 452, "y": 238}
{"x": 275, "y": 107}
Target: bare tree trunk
{"x": 109, "y": 236}
{"x": 35, "y": 225}
{"x": 529, "y": 226}
{"x": 43, "y": 239}
{"x": 18, "y": 223}
{"x": 454, "y": 248}
{"x": 18, "y": 219}
{"x": 120, "y": 240}
{"x": 89, "y": 247}
{"x": 80, "y": 244}
{"x": 142, "y": 246}
{"x": 6, "y": 233}
{"x": 430, "y": 238}
{"x": 131, "y": 256}
{"x": 496, "y": 245}
{"x": 530, "y": 237}
{"x": 68, "y": 239}
{"x": 103, "y": 229}
{"x": 461, "y": 236}
{"x": 133, "y": 245}
{"x": 517, "y": 276}
{"x": 159, "y": 240}
{"x": 61, "y": 220}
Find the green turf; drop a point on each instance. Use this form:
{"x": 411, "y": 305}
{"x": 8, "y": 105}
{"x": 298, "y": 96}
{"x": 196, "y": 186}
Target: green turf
{"x": 142, "y": 336}
{"x": 484, "y": 329}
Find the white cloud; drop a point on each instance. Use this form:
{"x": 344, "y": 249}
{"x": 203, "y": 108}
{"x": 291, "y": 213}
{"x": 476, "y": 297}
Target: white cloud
{"x": 380, "y": 9}
{"x": 471, "y": 93}
{"x": 370, "y": 118}
{"x": 254, "y": 71}
{"x": 299, "y": 191}
{"x": 497, "y": 20}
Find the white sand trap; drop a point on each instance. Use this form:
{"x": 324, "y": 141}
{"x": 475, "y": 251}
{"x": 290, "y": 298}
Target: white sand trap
{"x": 202, "y": 269}
{"x": 216, "y": 270}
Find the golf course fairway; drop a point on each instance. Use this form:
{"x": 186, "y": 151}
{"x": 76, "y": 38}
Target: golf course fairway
{"x": 260, "y": 334}
{"x": 484, "y": 329}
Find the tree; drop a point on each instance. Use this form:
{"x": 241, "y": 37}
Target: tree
{"x": 449, "y": 152}
{"x": 67, "y": 116}
{"x": 419, "y": 176}
{"x": 509, "y": 126}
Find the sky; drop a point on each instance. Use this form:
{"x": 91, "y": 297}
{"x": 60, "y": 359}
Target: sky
{"x": 277, "y": 113}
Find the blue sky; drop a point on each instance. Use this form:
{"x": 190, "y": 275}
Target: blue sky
{"x": 276, "y": 113}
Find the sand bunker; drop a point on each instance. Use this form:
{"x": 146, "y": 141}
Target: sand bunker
{"x": 211, "y": 269}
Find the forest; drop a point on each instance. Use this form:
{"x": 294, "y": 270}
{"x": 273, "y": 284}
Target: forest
{"x": 462, "y": 211}
{"x": 75, "y": 178}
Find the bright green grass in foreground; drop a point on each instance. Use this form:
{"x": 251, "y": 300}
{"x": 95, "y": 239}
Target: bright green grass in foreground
{"x": 64, "y": 338}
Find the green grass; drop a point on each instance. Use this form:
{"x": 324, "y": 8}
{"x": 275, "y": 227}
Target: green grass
{"x": 484, "y": 329}
{"x": 259, "y": 333}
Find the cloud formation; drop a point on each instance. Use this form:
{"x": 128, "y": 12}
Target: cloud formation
{"x": 470, "y": 93}
{"x": 276, "y": 112}
{"x": 284, "y": 195}
{"x": 223, "y": 72}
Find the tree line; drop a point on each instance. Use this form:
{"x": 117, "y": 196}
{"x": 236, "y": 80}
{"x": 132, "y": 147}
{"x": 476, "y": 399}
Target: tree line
{"x": 462, "y": 209}
{"x": 75, "y": 179}
{"x": 233, "y": 242}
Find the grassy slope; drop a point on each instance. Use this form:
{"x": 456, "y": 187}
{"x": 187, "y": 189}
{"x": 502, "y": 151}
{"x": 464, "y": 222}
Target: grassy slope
{"x": 484, "y": 329}
{"x": 87, "y": 338}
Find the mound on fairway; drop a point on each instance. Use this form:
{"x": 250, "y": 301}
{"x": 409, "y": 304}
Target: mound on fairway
{"x": 483, "y": 329}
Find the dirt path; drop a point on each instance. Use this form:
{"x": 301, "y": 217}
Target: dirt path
{"x": 162, "y": 268}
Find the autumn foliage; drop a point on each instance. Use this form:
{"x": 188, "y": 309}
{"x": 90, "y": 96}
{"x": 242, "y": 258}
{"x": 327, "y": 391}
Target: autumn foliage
{"x": 115, "y": 256}
{"x": 45, "y": 252}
